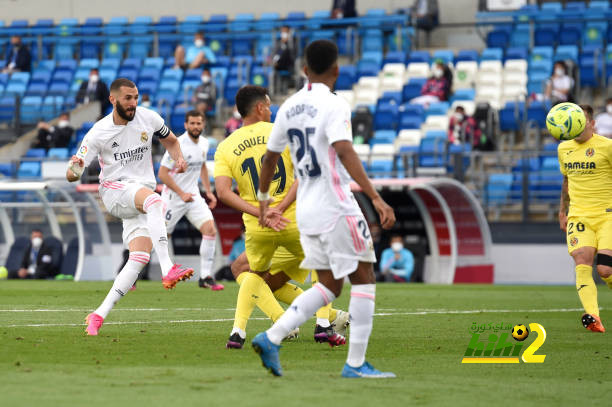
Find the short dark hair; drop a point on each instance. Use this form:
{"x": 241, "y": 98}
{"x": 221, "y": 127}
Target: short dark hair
{"x": 608, "y": 100}
{"x": 36, "y": 230}
{"x": 588, "y": 111}
{"x": 459, "y": 107}
{"x": 193, "y": 113}
{"x": 395, "y": 236}
{"x": 248, "y": 96}
{"x": 321, "y": 55}
{"x": 66, "y": 113}
{"x": 94, "y": 69}
{"x": 119, "y": 82}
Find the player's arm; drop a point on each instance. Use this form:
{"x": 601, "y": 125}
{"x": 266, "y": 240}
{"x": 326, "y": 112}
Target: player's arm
{"x": 289, "y": 198}
{"x": 85, "y": 154}
{"x": 206, "y": 183}
{"x": 564, "y": 204}
{"x": 168, "y": 180}
{"x": 172, "y": 145}
{"x": 352, "y": 163}
{"x": 265, "y": 178}
{"x": 75, "y": 169}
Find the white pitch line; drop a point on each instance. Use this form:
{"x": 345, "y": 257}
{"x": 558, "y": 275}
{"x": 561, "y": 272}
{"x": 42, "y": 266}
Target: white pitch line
{"x": 117, "y": 309}
{"x": 186, "y": 321}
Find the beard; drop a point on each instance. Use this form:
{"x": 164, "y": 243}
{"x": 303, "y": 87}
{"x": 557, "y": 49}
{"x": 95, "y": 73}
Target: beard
{"x": 125, "y": 114}
{"x": 194, "y": 133}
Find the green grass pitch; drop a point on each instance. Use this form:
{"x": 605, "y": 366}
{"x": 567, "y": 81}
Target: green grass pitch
{"x": 161, "y": 348}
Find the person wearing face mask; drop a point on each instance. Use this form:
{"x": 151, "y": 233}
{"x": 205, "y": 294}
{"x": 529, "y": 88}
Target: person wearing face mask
{"x": 18, "y": 57}
{"x": 205, "y": 95}
{"x": 233, "y": 123}
{"x": 195, "y": 56}
{"x": 559, "y": 85}
{"x": 94, "y": 89}
{"x": 284, "y": 60}
{"x": 58, "y": 135}
{"x": 397, "y": 262}
{"x": 436, "y": 88}
{"x": 462, "y": 128}
{"x": 603, "y": 121}
{"x": 40, "y": 260}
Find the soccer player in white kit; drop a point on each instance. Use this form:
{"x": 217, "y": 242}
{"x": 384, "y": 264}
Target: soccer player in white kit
{"x": 334, "y": 234}
{"x": 122, "y": 143}
{"x": 181, "y": 194}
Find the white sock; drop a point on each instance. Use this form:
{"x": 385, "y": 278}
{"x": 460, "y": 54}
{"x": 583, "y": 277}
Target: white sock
{"x": 207, "y": 255}
{"x": 123, "y": 282}
{"x": 157, "y": 230}
{"x": 239, "y": 331}
{"x": 302, "y": 308}
{"x": 323, "y": 323}
{"x": 361, "y": 310}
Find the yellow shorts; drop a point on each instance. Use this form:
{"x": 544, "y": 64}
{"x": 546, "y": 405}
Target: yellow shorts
{"x": 285, "y": 262}
{"x": 589, "y": 231}
{"x": 260, "y": 246}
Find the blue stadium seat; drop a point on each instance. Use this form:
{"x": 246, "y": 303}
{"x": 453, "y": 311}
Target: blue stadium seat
{"x": 58, "y": 152}
{"x": 446, "y": 55}
{"x": 28, "y": 169}
{"x": 231, "y": 88}
{"x": 438, "y": 108}
{"x": 570, "y": 33}
{"x": 467, "y": 55}
{"x": 464, "y": 94}
{"x": 550, "y": 163}
{"x": 150, "y": 73}
{"x": 36, "y": 89}
{"x": 517, "y": 53}
{"x": 594, "y": 33}
{"x": 391, "y": 97}
{"x": 113, "y": 49}
{"x": 498, "y": 188}
{"x": 367, "y": 68}
{"x": 520, "y": 37}
{"x": 511, "y": 116}
{"x": 395, "y": 57}
{"x": 565, "y": 52}
{"x": 58, "y": 89}
{"x": 347, "y": 77}
{"x": 7, "y": 108}
{"x": 110, "y": 63}
{"x": 260, "y": 76}
{"x": 155, "y": 62}
{"x": 419, "y": 56}
{"x": 410, "y": 121}
{"x": 412, "y": 89}
{"x": 386, "y": 117}
{"x": 599, "y": 5}
{"x": 140, "y": 25}
{"x": 499, "y": 37}
{"x": 537, "y": 112}
{"x": 30, "y": 109}
{"x": 62, "y": 76}
{"x": 432, "y": 152}
{"x": 115, "y": 26}
{"x": 52, "y": 106}
{"x": 139, "y": 50}
{"x": 492, "y": 54}
{"x": 383, "y": 137}
{"x": 35, "y": 153}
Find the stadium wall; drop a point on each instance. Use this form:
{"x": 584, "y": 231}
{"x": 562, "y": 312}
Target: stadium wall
{"x": 452, "y": 11}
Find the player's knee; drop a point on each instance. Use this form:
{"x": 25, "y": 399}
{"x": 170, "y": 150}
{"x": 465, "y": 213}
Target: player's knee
{"x": 208, "y": 229}
{"x": 152, "y": 202}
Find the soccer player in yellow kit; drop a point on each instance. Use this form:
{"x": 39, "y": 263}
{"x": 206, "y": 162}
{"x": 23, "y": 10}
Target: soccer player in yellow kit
{"x": 585, "y": 212}
{"x": 239, "y": 158}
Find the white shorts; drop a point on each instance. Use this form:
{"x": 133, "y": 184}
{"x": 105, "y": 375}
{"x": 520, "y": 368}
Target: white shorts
{"x": 340, "y": 249}
{"x": 118, "y": 198}
{"x": 175, "y": 208}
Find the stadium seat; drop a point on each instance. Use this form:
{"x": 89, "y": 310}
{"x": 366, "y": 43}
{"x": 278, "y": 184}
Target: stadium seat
{"x": 467, "y": 55}
{"x": 495, "y": 54}
{"x": 347, "y": 77}
{"x": 432, "y": 152}
{"x": 498, "y": 188}
{"x": 28, "y": 169}
{"x": 58, "y": 152}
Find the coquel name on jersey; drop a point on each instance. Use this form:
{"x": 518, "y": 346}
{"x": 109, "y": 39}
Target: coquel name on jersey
{"x": 129, "y": 156}
{"x": 300, "y": 109}
{"x": 250, "y": 142}
{"x": 580, "y": 165}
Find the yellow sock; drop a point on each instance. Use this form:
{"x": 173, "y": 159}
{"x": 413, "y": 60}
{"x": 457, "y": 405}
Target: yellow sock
{"x": 608, "y": 280}
{"x": 250, "y": 284}
{"x": 323, "y": 312}
{"x": 287, "y": 293}
{"x": 587, "y": 291}
{"x": 268, "y": 304}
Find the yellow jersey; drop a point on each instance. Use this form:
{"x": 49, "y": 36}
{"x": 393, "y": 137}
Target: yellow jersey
{"x": 588, "y": 168}
{"x": 240, "y": 155}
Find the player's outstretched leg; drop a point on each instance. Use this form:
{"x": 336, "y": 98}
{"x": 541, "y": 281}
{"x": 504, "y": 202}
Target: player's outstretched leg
{"x": 172, "y": 273}
{"x": 328, "y": 327}
{"x": 361, "y": 309}
{"x": 300, "y": 310}
{"x": 268, "y": 352}
{"x": 592, "y": 323}
{"x": 123, "y": 282}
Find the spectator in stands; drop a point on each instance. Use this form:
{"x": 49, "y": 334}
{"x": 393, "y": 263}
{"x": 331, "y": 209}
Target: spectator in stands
{"x": 233, "y": 123}
{"x": 94, "y": 89}
{"x": 284, "y": 60}
{"x": 559, "y": 85}
{"x": 462, "y": 128}
{"x": 196, "y": 55}
{"x": 18, "y": 57}
{"x": 436, "y": 88}
{"x": 59, "y": 135}
{"x": 205, "y": 95}
{"x": 397, "y": 262}
{"x": 343, "y": 9}
{"x": 425, "y": 13}
{"x": 145, "y": 100}
{"x": 603, "y": 121}
{"x": 38, "y": 260}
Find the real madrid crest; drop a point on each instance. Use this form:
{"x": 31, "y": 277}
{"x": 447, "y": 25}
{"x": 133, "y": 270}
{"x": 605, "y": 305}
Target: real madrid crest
{"x": 143, "y": 137}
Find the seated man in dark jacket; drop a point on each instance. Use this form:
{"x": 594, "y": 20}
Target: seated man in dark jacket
{"x": 58, "y": 135}
{"x": 94, "y": 89}
{"x": 39, "y": 261}
{"x": 18, "y": 57}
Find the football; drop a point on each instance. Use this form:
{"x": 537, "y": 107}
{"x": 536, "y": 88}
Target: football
{"x": 520, "y": 332}
{"x": 565, "y": 121}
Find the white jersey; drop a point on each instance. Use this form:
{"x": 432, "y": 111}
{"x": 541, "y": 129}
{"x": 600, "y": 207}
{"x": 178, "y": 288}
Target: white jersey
{"x": 310, "y": 122}
{"x": 124, "y": 151}
{"x": 195, "y": 156}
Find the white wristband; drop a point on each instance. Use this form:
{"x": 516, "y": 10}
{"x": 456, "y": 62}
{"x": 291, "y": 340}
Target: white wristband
{"x": 261, "y": 196}
{"x": 76, "y": 169}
